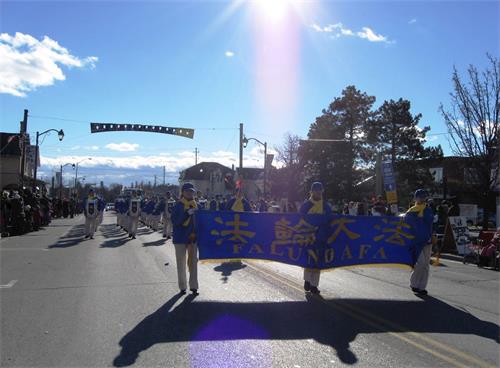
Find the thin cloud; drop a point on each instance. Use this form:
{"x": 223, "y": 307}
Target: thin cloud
{"x": 338, "y": 30}
{"x": 27, "y": 63}
{"x": 122, "y": 147}
{"x": 371, "y": 36}
{"x": 412, "y": 21}
{"x": 229, "y": 54}
{"x": 92, "y": 148}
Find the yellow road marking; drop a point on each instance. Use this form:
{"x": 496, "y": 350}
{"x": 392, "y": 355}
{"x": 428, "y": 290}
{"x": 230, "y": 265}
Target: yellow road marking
{"x": 357, "y": 314}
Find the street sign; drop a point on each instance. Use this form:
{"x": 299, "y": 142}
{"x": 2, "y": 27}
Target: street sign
{"x": 389, "y": 182}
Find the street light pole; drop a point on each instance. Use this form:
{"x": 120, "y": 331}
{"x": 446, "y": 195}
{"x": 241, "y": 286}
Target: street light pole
{"x": 76, "y": 169}
{"x": 61, "y": 180}
{"x": 60, "y": 134}
{"x": 245, "y": 141}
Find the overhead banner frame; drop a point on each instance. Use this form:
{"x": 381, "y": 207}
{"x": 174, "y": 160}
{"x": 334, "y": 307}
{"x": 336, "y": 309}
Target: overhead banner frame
{"x": 136, "y": 127}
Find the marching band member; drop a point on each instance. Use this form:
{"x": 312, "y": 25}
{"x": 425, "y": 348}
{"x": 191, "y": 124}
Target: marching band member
{"x": 314, "y": 205}
{"x": 167, "y": 216}
{"x": 134, "y": 211}
{"x": 213, "y": 204}
{"x": 238, "y": 203}
{"x": 185, "y": 239}
{"x": 101, "y": 205}
{"x": 90, "y": 213}
{"x": 420, "y": 274}
{"x": 156, "y": 214}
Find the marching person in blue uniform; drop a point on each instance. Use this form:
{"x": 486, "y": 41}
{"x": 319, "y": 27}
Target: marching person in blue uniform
{"x": 238, "y": 203}
{"x": 134, "y": 211}
{"x": 90, "y": 212}
{"x": 314, "y": 205}
{"x": 167, "y": 215}
{"x": 185, "y": 239}
{"x": 421, "y": 212}
{"x": 213, "y": 204}
{"x": 101, "y": 206}
{"x": 156, "y": 214}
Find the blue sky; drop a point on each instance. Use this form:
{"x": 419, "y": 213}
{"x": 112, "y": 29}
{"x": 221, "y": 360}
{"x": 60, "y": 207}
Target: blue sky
{"x": 214, "y": 64}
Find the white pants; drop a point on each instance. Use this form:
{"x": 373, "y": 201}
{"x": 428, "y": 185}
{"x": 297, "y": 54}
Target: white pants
{"x": 132, "y": 225}
{"x": 192, "y": 260}
{"x": 312, "y": 276}
{"x": 420, "y": 274}
{"x": 167, "y": 226}
{"x": 90, "y": 225}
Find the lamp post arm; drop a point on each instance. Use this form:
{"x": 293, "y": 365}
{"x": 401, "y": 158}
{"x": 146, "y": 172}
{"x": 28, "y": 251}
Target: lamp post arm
{"x": 48, "y": 130}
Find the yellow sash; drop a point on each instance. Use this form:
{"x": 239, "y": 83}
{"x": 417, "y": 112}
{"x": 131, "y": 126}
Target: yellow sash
{"x": 418, "y": 208}
{"x": 317, "y": 207}
{"x": 187, "y": 205}
{"x": 238, "y": 205}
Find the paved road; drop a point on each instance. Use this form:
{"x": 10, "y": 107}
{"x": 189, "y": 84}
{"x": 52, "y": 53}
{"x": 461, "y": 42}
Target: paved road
{"x": 111, "y": 301}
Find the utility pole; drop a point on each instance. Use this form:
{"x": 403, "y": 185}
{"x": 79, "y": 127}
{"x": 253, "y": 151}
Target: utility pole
{"x": 241, "y": 145}
{"x": 196, "y": 156}
{"x": 164, "y": 175}
{"x": 23, "y": 130}
{"x": 378, "y": 175}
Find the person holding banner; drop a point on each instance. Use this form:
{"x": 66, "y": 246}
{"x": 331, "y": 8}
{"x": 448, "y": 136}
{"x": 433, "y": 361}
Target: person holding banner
{"x": 422, "y": 212}
{"x": 314, "y": 205}
{"x": 238, "y": 203}
{"x": 90, "y": 212}
{"x": 184, "y": 239}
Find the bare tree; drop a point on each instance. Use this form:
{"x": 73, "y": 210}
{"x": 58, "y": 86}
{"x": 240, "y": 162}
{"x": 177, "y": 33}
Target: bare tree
{"x": 288, "y": 151}
{"x": 472, "y": 123}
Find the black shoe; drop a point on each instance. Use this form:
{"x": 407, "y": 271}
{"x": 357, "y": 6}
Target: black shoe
{"x": 422, "y": 292}
{"x": 164, "y": 236}
{"x": 169, "y": 237}
{"x": 314, "y": 290}
{"x": 415, "y": 290}
{"x": 195, "y": 292}
{"x": 91, "y": 237}
{"x": 307, "y": 285}
{"x": 133, "y": 236}
{"x": 86, "y": 236}
{"x": 182, "y": 292}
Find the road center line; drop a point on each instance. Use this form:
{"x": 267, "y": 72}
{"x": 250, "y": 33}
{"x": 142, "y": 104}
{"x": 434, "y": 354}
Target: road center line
{"x": 9, "y": 285}
{"x": 370, "y": 320}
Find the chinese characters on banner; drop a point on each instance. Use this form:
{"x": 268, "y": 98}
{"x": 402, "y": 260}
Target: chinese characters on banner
{"x": 312, "y": 241}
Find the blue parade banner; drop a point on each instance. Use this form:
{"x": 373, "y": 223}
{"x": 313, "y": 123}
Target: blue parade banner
{"x": 312, "y": 241}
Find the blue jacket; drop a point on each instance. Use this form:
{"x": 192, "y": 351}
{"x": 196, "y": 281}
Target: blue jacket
{"x": 213, "y": 205}
{"x": 157, "y": 209}
{"x": 179, "y": 217}
{"x": 421, "y": 214}
{"x": 306, "y": 206}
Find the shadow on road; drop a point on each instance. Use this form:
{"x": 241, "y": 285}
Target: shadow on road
{"x": 155, "y": 243}
{"x": 318, "y": 319}
{"x": 227, "y": 268}
{"x": 73, "y": 237}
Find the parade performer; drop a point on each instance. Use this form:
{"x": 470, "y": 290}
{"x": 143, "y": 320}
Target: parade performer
{"x": 134, "y": 212}
{"x": 314, "y": 205}
{"x": 167, "y": 216}
{"x": 238, "y": 203}
{"x": 213, "y": 204}
{"x": 101, "y": 205}
{"x": 90, "y": 212}
{"x": 420, "y": 275}
{"x": 150, "y": 205}
{"x": 156, "y": 214}
{"x": 185, "y": 239}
